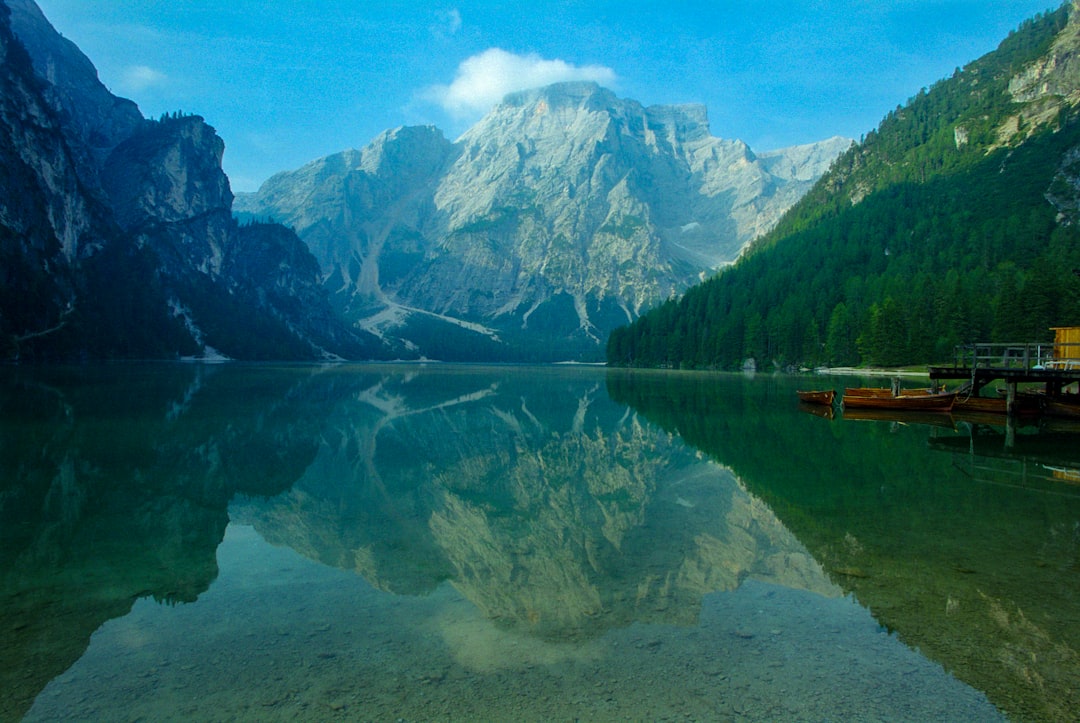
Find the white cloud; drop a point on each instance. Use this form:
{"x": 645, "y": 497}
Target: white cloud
{"x": 484, "y": 79}
{"x": 138, "y": 78}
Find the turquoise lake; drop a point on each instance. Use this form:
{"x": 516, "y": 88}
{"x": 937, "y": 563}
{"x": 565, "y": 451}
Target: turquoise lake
{"x": 440, "y": 542}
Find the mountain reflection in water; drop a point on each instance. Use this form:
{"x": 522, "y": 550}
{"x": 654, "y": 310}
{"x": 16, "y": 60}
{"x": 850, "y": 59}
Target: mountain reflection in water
{"x": 560, "y": 519}
{"x": 972, "y": 556}
{"x": 564, "y": 504}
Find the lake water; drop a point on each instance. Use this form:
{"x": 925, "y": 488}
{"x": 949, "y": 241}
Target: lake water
{"x": 463, "y": 543}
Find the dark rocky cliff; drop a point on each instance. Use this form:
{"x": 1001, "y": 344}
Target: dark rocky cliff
{"x": 117, "y": 232}
{"x": 45, "y": 216}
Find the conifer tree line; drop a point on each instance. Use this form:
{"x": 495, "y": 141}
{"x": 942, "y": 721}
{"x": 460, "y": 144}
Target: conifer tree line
{"x": 934, "y": 231}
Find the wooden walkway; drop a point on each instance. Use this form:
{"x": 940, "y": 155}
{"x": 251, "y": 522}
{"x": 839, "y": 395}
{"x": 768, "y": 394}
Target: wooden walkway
{"x": 1053, "y": 365}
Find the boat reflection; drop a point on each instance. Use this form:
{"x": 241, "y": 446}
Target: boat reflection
{"x": 933, "y": 419}
{"x": 818, "y": 410}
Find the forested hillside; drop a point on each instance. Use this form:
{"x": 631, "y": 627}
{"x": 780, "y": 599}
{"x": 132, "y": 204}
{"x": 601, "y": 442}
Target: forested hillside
{"x": 954, "y": 221}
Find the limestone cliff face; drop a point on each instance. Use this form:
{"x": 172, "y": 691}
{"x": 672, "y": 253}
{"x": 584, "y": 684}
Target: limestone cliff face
{"x": 118, "y": 236}
{"x": 563, "y": 213}
{"x": 361, "y": 212}
{"x": 165, "y": 180}
{"x": 1056, "y": 76}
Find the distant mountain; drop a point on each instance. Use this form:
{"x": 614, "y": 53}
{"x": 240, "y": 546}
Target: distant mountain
{"x": 563, "y": 213}
{"x": 116, "y": 232}
{"x": 955, "y": 221}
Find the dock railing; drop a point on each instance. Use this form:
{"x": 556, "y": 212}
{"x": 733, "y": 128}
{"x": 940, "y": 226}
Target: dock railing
{"x": 1022, "y": 357}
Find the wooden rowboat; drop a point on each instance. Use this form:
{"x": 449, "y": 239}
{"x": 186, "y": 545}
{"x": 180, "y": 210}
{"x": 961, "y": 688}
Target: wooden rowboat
{"x": 817, "y": 397}
{"x": 921, "y": 402}
{"x": 881, "y": 392}
{"x": 1024, "y": 405}
{"x": 866, "y": 392}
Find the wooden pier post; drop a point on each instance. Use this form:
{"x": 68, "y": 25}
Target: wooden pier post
{"x": 1010, "y": 414}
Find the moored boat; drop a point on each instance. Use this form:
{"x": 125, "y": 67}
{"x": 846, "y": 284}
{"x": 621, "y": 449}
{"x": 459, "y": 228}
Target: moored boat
{"x": 881, "y": 392}
{"x": 1023, "y": 405}
{"x": 817, "y": 397}
{"x": 941, "y": 402}
{"x": 866, "y": 392}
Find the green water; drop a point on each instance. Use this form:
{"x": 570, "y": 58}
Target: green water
{"x": 466, "y": 543}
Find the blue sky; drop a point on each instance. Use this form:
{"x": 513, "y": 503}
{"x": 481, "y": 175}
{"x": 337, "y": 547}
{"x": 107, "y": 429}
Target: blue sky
{"x": 287, "y": 81}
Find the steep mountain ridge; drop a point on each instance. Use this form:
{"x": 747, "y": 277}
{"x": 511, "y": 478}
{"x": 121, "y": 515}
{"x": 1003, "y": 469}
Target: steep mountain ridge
{"x": 117, "y": 233}
{"x": 955, "y": 221}
{"x": 95, "y": 121}
{"x": 562, "y": 213}
{"x": 45, "y": 226}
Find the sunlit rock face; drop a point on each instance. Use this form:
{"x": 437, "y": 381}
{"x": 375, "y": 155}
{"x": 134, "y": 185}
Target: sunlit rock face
{"x": 564, "y": 212}
{"x": 165, "y": 181}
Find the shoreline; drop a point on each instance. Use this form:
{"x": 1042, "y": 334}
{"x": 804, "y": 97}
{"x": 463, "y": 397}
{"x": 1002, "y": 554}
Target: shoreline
{"x": 872, "y": 372}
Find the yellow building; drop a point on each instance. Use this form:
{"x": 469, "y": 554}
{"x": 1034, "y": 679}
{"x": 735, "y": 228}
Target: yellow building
{"x": 1066, "y": 346}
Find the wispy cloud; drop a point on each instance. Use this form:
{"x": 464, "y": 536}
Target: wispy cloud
{"x": 448, "y": 22}
{"x": 482, "y": 80}
{"x": 138, "y": 78}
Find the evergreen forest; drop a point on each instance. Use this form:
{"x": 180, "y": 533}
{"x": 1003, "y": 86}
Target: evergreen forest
{"x": 955, "y": 221}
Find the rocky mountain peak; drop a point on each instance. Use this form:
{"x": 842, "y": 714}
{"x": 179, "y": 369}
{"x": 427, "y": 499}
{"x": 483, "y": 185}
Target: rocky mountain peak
{"x": 415, "y": 151}
{"x": 564, "y": 212}
{"x": 576, "y": 95}
{"x": 804, "y": 162}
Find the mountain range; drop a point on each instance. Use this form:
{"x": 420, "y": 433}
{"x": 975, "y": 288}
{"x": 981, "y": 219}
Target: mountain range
{"x": 563, "y": 213}
{"x": 551, "y": 225}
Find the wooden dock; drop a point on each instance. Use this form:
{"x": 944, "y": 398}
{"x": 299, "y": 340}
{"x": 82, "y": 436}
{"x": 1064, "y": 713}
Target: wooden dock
{"x": 1055, "y": 365}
